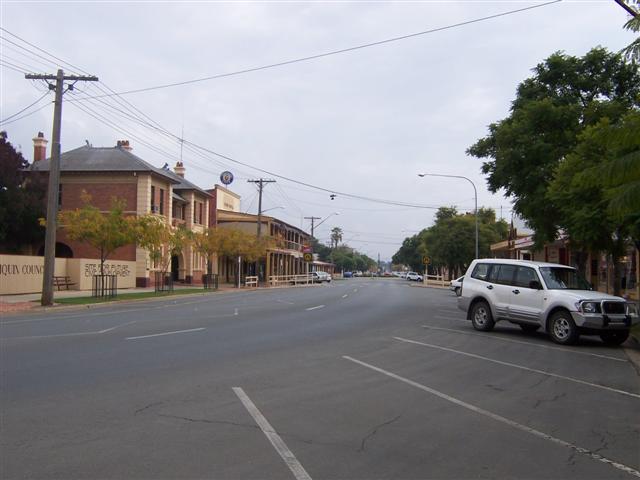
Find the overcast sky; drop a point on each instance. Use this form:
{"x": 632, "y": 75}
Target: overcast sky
{"x": 363, "y": 122}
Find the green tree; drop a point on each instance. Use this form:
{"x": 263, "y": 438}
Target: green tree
{"x": 450, "y": 242}
{"x": 551, "y": 109}
{"x": 161, "y": 240}
{"x": 596, "y": 190}
{"x": 632, "y": 51}
{"x": 106, "y": 232}
{"x": 336, "y": 236}
{"x": 22, "y": 199}
{"x": 206, "y": 244}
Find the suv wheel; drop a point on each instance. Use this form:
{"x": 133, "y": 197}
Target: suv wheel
{"x": 481, "y": 317}
{"x": 562, "y": 328}
{"x": 617, "y": 337}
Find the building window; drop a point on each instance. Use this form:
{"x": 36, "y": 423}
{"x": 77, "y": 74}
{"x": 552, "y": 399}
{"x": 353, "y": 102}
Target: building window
{"x": 153, "y": 199}
{"x": 200, "y": 205}
{"x": 60, "y": 196}
{"x": 195, "y": 213}
{"x": 161, "y": 201}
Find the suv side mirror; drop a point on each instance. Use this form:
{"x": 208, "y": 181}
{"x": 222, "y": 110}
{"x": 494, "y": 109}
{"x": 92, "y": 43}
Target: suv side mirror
{"x": 535, "y": 284}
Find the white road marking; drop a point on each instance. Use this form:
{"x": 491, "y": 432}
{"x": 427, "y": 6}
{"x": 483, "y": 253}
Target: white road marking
{"x": 499, "y": 418}
{"x": 74, "y": 334}
{"x": 345, "y": 295}
{"x": 235, "y": 312}
{"x": 284, "y": 301}
{"x": 508, "y": 364}
{"x": 549, "y": 347}
{"x": 314, "y": 308}
{"x": 166, "y": 333}
{"x": 355, "y": 289}
{"x": 287, "y": 455}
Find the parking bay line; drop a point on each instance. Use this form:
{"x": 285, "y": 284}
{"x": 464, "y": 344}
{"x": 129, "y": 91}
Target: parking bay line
{"x": 499, "y": 418}
{"x": 549, "y": 347}
{"x": 287, "y": 455}
{"x": 166, "y": 333}
{"x": 541, "y": 372}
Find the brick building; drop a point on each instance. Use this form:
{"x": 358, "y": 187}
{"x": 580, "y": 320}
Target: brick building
{"x": 108, "y": 172}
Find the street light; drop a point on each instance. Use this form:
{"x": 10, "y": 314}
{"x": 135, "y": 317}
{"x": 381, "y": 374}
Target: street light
{"x": 475, "y": 192}
{"x": 272, "y": 208}
{"x": 313, "y": 227}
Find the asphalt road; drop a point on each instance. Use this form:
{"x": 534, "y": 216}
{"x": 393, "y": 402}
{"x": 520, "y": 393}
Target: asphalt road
{"x": 360, "y": 379}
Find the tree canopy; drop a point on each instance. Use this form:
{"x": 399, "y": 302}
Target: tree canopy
{"x": 22, "y": 199}
{"x": 450, "y": 242}
{"x": 105, "y": 232}
{"x": 565, "y": 96}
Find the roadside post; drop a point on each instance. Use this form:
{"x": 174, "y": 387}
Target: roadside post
{"x": 307, "y": 256}
{"x": 426, "y": 261}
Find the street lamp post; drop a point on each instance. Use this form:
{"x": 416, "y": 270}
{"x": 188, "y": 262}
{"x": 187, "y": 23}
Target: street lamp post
{"x": 273, "y": 208}
{"x": 475, "y": 192}
{"x": 313, "y": 227}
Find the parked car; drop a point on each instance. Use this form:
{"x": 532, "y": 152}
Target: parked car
{"x": 414, "y": 277}
{"x": 347, "y": 275}
{"x": 319, "y": 277}
{"x": 456, "y": 285}
{"x": 547, "y": 296}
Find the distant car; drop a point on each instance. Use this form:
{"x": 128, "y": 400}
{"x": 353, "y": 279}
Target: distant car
{"x": 319, "y": 277}
{"x": 456, "y": 285}
{"x": 347, "y": 275}
{"x": 357, "y": 274}
{"x": 414, "y": 277}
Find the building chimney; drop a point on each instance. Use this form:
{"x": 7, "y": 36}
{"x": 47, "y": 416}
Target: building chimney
{"x": 39, "y": 147}
{"x": 179, "y": 169}
{"x": 124, "y": 144}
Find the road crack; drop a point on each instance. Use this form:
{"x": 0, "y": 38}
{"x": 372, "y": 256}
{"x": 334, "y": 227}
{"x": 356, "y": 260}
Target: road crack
{"x": 374, "y": 431}
{"x": 540, "y": 401}
{"x": 146, "y": 407}
{"x": 206, "y": 420}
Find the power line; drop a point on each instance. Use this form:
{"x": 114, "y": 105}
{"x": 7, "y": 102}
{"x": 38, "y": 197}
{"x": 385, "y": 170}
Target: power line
{"x": 27, "y": 114}
{"x": 198, "y": 149}
{"x": 25, "y": 108}
{"x": 13, "y": 66}
{"x": 334, "y": 52}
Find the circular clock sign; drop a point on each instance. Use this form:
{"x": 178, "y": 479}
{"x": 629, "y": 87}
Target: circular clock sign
{"x": 226, "y": 177}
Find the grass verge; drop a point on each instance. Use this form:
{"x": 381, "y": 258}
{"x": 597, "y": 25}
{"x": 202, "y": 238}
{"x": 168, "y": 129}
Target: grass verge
{"x": 128, "y": 296}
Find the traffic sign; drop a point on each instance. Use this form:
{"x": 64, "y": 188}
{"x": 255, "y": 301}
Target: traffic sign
{"x": 426, "y": 260}
{"x": 308, "y": 257}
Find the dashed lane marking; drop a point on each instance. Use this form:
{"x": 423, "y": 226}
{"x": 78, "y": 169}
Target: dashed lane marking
{"x": 314, "y": 308}
{"x": 166, "y": 333}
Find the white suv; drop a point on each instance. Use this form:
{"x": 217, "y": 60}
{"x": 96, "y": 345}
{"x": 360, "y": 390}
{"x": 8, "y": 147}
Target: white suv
{"x": 534, "y": 294}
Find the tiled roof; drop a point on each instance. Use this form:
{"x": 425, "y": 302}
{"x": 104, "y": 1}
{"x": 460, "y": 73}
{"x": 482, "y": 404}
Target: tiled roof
{"x": 184, "y": 184}
{"x": 103, "y": 159}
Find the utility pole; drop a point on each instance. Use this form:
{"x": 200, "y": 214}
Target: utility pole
{"x": 260, "y": 183}
{"x": 54, "y": 178}
{"x": 313, "y": 219}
